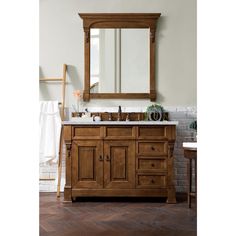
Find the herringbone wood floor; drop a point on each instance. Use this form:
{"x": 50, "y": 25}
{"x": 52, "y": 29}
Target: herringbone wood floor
{"x": 112, "y": 217}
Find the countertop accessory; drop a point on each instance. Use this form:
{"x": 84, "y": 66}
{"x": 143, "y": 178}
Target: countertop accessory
{"x": 97, "y": 118}
{"x": 154, "y": 112}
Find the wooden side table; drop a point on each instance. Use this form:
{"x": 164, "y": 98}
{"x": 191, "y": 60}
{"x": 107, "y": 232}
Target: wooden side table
{"x": 190, "y": 152}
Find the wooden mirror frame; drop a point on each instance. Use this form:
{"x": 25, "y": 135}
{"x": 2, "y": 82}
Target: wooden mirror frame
{"x": 119, "y": 20}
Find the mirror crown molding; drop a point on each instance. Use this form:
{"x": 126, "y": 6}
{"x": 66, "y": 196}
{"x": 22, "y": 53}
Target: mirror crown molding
{"x": 119, "y": 20}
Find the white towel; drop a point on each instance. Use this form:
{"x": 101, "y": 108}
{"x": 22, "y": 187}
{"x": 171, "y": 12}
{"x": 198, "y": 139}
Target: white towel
{"x": 49, "y": 131}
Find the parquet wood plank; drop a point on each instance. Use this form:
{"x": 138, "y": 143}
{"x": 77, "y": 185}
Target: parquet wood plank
{"x": 124, "y": 217}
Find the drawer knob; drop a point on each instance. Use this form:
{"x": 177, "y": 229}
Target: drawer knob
{"x": 153, "y": 148}
{"x": 153, "y": 165}
{"x": 153, "y": 181}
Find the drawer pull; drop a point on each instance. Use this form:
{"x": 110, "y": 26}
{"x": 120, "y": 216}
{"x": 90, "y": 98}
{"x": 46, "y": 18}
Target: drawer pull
{"x": 153, "y": 148}
{"x": 153, "y": 165}
{"x": 107, "y": 159}
{"x": 100, "y": 158}
{"x": 152, "y": 181}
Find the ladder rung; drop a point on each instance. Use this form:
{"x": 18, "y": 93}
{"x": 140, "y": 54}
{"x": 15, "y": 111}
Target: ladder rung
{"x": 48, "y": 179}
{"x": 50, "y": 79}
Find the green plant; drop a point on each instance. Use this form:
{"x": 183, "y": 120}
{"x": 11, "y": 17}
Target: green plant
{"x": 153, "y": 108}
{"x": 193, "y": 125}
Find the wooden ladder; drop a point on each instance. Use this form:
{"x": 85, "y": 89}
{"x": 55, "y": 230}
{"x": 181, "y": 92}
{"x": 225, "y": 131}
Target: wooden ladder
{"x": 62, "y": 113}
{"x": 63, "y": 80}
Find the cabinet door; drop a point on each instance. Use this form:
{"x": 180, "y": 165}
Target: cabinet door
{"x": 87, "y": 164}
{"x": 119, "y": 164}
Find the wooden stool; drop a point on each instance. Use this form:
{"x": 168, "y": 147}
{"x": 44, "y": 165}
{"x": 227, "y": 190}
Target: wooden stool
{"x": 190, "y": 152}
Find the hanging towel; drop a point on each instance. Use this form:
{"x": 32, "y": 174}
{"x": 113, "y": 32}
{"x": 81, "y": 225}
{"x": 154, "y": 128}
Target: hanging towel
{"x": 49, "y": 131}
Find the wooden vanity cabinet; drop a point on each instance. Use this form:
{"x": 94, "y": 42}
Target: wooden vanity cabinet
{"x": 120, "y": 160}
{"x": 87, "y": 164}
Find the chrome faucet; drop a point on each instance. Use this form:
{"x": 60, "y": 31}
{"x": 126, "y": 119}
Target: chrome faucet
{"x": 119, "y": 114}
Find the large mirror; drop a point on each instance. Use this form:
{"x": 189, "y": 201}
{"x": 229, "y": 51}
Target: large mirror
{"x": 119, "y": 61}
{"x": 120, "y": 55}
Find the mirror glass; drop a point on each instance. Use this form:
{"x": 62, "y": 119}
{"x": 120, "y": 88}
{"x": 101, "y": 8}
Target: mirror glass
{"x": 119, "y": 61}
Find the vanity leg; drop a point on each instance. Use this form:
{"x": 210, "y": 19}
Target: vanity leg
{"x": 68, "y": 188}
{"x": 67, "y": 194}
{"x": 171, "y": 196}
{"x": 189, "y": 182}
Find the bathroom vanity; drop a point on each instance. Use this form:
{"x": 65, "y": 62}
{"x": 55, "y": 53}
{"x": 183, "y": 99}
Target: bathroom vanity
{"x": 119, "y": 158}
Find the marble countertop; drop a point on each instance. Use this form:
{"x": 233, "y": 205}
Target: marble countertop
{"x": 191, "y": 145}
{"x": 120, "y": 123}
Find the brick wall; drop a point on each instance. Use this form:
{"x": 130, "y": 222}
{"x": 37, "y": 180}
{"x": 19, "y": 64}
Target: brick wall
{"x": 49, "y": 172}
{"x": 185, "y": 115}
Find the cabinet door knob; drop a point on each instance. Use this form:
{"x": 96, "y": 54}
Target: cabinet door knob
{"x": 108, "y": 158}
{"x": 100, "y": 158}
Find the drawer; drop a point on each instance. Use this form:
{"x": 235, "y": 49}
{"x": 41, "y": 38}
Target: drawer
{"x": 85, "y": 132}
{"x": 151, "y": 164}
{"x": 151, "y": 181}
{"x": 152, "y": 148}
{"x": 152, "y": 132}
{"x": 120, "y": 132}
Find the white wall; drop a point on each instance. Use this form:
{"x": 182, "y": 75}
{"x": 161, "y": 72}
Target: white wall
{"x": 62, "y": 37}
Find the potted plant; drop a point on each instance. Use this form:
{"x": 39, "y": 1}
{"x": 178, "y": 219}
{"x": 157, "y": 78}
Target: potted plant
{"x": 193, "y": 126}
{"x": 154, "y": 112}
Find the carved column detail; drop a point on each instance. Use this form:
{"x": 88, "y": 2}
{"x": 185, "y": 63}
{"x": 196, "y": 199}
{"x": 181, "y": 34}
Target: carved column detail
{"x": 86, "y": 96}
{"x": 171, "y": 197}
{"x": 86, "y": 93}
{"x": 68, "y": 150}
{"x": 87, "y": 35}
{"x": 152, "y": 35}
{"x": 153, "y": 95}
{"x": 67, "y": 189}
